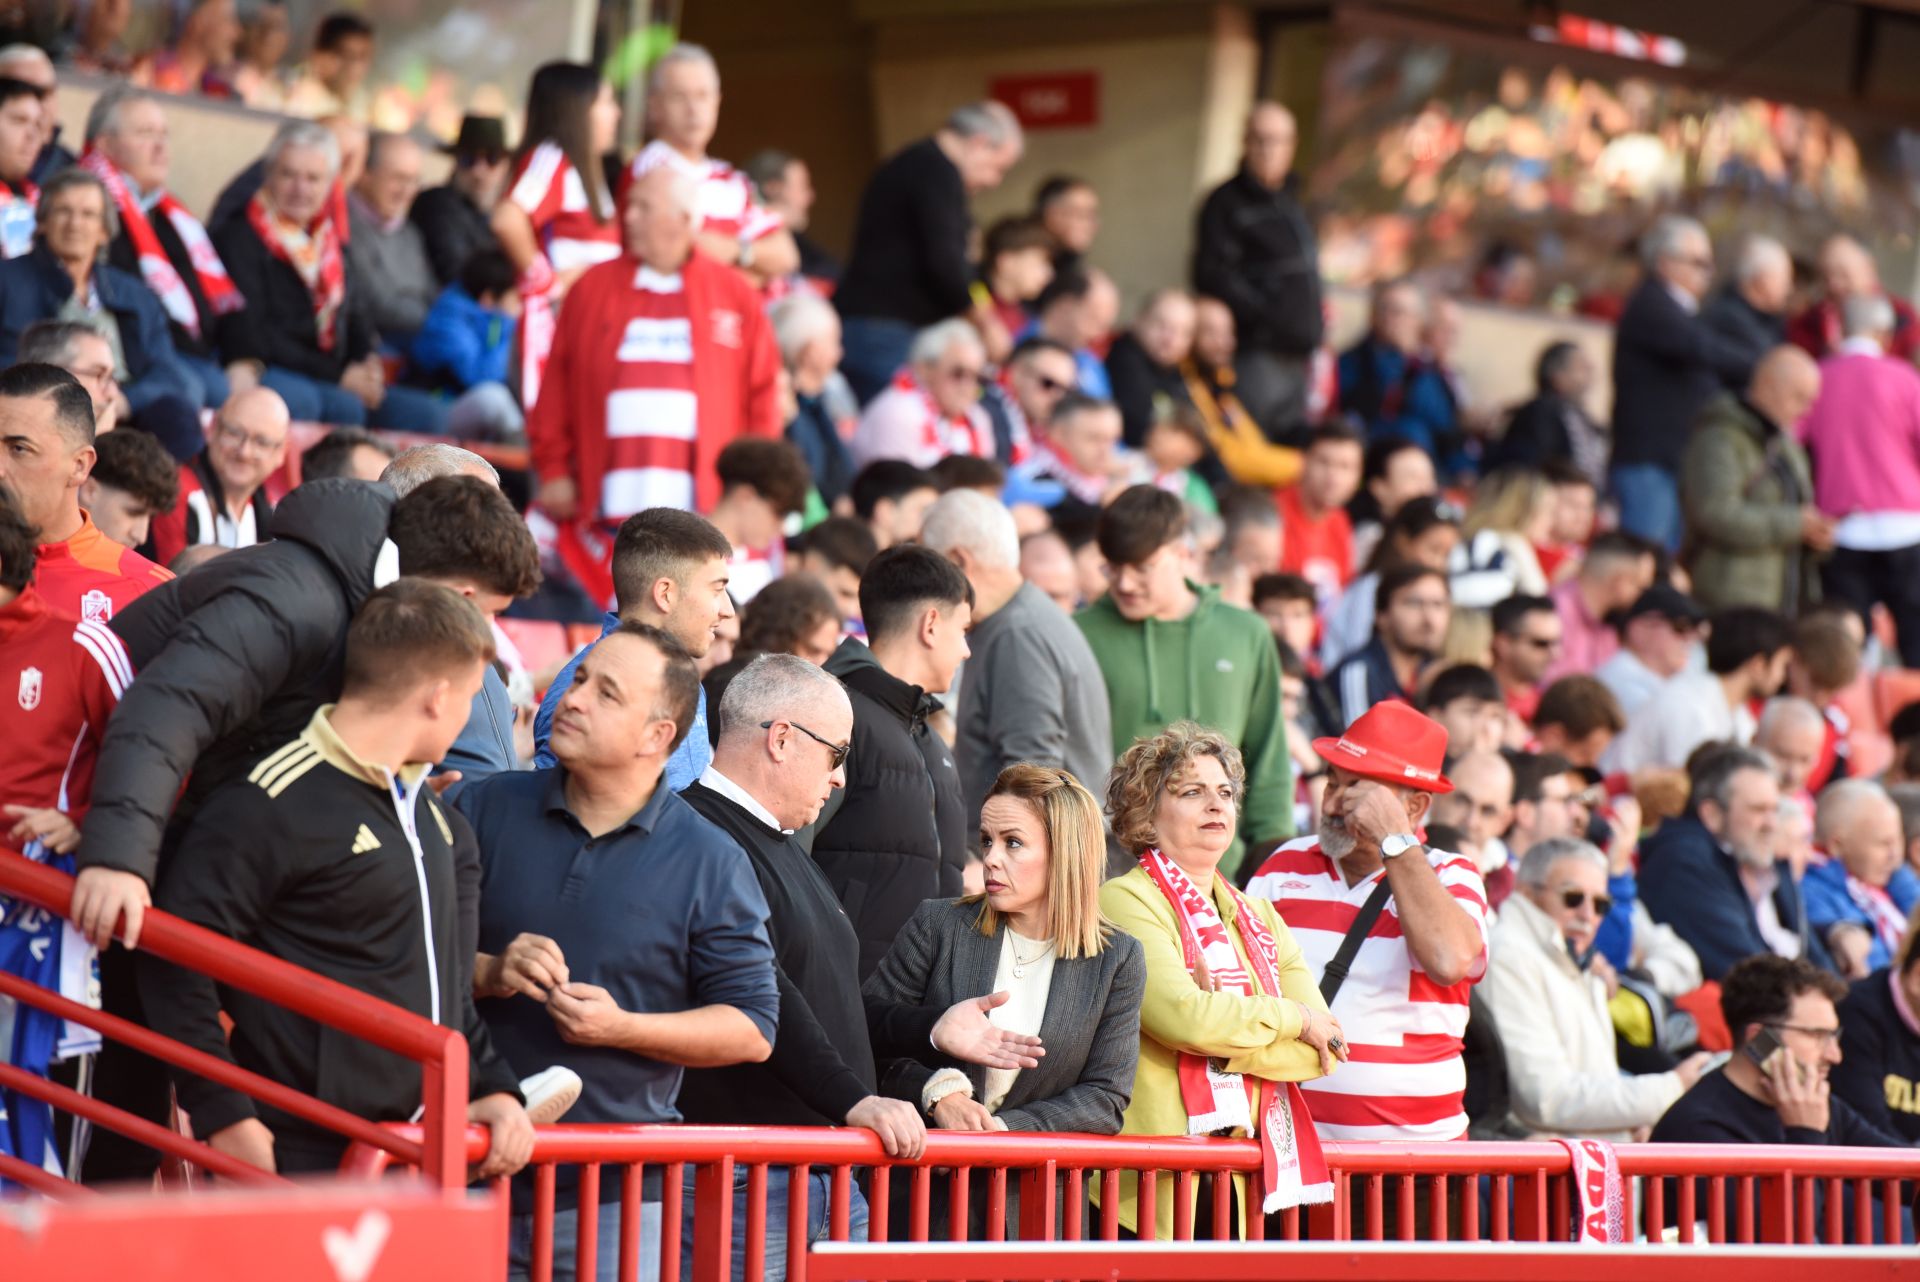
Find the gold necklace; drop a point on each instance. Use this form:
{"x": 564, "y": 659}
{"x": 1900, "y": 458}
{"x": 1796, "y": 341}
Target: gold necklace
{"x": 1020, "y": 963}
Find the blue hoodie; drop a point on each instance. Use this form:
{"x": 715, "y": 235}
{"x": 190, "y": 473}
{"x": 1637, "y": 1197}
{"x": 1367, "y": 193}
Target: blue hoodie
{"x": 463, "y": 342}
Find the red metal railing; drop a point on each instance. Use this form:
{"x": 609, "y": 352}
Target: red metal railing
{"x": 437, "y": 1147}
{"x": 1036, "y": 1187}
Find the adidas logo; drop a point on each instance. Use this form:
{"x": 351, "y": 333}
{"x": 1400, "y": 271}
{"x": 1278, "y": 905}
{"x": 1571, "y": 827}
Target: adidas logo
{"x": 364, "y": 840}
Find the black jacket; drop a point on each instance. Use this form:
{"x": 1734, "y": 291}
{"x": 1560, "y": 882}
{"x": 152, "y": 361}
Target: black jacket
{"x": 909, "y": 259}
{"x": 1688, "y": 882}
{"x": 306, "y": 859}
{"x": 1255, "y": 251}
{"x": 823, "y": 1056}
{"x": 454, "y": 229}
{"x": 1536, "y": 434}
{"x": 1666, "y": 365}
{"x": 1750, "y": 331}
{"x": 1138, "y": 383}
{"x": 213, "y": 327}
{"x": 276, "y": 326}
{"x": 899, "y": 834}
{"x": 232, "y": 661}
{"x": 1878, "y": 1073}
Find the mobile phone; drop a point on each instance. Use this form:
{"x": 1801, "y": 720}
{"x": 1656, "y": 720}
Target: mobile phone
{"x": 1762, "y": 1048}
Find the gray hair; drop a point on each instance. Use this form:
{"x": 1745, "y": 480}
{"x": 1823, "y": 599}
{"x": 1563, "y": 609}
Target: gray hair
{"x": 413, "y": 468}
{"x": 1760, "y": 255}
{"x": 776, "y": 687}
{"x": 50, "y": 342}
{"x": 936, "y": 340}
{"x": 305, "y": 135}
{"x": 799, "y": 319}
{"x": 66, "y": 180}
{"x": 990, "y": 121}
{"x": 17, "y": 53}
{"x": 1840, "y": 801}
{"x": 969, "y": 519}
{"x": 103, "y": 117}
{"x": 1662, "y": 240}
{"x": 1539, "y": 861}
{"x": 1713, "y": 778}
{"x": 1866, "y": 316}
{"x": 1785, "y": 712}
{"x": 695, "y": 55}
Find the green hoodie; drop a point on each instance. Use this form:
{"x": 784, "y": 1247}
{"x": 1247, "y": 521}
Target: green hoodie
{"x": 1218, "y": 666}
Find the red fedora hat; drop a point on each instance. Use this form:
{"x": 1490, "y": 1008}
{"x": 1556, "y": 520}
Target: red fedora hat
{"x": 1394, "y": 744}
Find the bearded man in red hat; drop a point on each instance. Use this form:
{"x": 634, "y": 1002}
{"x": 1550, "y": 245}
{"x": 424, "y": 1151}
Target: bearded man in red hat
{"x": 1403, "y": 1000}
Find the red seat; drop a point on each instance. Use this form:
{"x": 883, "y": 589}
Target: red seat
{"x": 542, "y": 643}
{"x": 1893, "y": 689}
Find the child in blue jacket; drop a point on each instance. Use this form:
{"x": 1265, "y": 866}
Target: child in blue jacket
{"x": 466, "y": 346}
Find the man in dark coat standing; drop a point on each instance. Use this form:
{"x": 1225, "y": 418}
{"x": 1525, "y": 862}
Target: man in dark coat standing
{"x": 1750, "y": 312}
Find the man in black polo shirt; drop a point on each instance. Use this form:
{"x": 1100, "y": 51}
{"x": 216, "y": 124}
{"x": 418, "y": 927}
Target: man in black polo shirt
{"x": 621, "y": 935}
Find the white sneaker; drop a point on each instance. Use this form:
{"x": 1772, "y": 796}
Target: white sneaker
{"x": 550, "y": 1093}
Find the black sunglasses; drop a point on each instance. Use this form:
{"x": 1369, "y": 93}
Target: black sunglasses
{"x": 839, "y": 750}
{"x": 1051, "y": 385}
{"x": 1574, "y": 898}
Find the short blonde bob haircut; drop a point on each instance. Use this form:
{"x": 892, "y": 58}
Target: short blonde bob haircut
{"x": 1076, "y": 857}
{"x": 1142, "y": 776}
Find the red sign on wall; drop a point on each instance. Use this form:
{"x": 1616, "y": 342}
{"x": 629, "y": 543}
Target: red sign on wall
{"x": 1053, "y": 100}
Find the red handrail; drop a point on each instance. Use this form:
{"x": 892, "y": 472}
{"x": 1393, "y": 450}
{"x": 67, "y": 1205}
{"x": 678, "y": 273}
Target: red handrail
{"x": 441, "y": 1052}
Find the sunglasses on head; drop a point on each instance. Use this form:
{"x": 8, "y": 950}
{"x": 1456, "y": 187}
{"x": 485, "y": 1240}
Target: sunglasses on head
{"x": 1573, "y": 899}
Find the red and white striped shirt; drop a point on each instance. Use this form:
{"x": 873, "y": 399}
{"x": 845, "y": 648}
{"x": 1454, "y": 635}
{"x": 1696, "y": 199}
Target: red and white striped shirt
{"x": 652, "y": 411}
{"x": 549, "y": 189}
{"x": 728, "y": 205}
{"x": 904, "y": 422}
{"x": 1405, "y": 1079}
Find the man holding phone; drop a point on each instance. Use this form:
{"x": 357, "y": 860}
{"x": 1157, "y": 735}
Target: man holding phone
{"x": 1774, "y": 1090}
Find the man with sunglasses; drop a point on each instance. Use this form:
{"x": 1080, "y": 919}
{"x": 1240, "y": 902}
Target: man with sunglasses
{"x": 1527, "y": 635}
{"x": 1548, "y": 986}
{"x": 932, "y": 409}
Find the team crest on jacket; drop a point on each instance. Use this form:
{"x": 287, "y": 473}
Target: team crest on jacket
{"x": 29, "y": 688}
{"x": 96, "y": 607}
{"x": 726, "y": 328}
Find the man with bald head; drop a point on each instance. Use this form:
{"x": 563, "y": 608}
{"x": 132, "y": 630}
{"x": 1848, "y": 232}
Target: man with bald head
{"x": 222, "y": 488}
{"x": 662, "y": 358}
{"x": 1144, "y": 364}
{"x": 1847, "y": 270}
{"x": 1480, "y": 808}
{"x": 1747, "y": 492}
{"x": 1751, "y": 311}
{"x": 1858, "y": 896}
{"x": 1255, "y": 251}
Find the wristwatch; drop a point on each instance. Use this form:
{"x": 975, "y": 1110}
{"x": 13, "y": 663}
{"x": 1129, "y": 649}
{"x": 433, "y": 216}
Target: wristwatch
{"x": 1398, "y": 844}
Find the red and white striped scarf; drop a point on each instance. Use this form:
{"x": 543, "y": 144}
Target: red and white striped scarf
{"x": 223, "y": 296}
{"x": 315, "y": 253}
{"x": 1293, "y": 1169}
{"x": 944, "y": 432}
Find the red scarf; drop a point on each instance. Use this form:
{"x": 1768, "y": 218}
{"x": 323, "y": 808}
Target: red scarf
{"x": 947, "y": 434}
{"x": 155, "y": 267}
{"x": 1293, "y": 1169}
{"x": 327, "y": 281}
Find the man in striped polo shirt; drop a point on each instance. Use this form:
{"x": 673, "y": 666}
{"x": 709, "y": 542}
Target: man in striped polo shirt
{"x": 1403, "y": 1004}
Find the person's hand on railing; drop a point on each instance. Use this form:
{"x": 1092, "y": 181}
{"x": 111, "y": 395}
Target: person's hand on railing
{"x": 248, "y": 1140}
{"x": 1320, "y": 1030}
{"x": 531, "y": 964}
{"x": 511, "y": 1143}
{"x": 101, "y": 897}
{"x": 898, "y": 1124}
{"x": 965, "y": 1033}
{"x": 964, "y": 1113}
{"x": 53, "y": 829}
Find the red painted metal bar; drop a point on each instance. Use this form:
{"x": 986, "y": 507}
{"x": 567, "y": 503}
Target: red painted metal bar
{"x": 43, "y": 1182}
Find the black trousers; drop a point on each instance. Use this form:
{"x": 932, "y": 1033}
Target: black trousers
{"x": 1890, "y": 578}
{"x": 126, "y": 1079}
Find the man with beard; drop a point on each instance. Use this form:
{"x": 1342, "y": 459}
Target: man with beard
{"x": 1410, "y": 623}
{"x": 1403, "y": 1001}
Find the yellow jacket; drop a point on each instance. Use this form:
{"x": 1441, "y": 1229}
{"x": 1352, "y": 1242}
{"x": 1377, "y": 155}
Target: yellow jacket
{"x": 1253, "y": 1035}
{"x": 1244, "y": 450}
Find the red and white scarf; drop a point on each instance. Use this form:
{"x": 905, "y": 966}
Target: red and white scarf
{"x": 223, "y": 296}
{"x": 314, "y": 253}
{"x": 538, "y": 321}
{"x": 1293, "y": 1169}
{"x": 946, "y": 433}
{"x": 1889, "y": 923}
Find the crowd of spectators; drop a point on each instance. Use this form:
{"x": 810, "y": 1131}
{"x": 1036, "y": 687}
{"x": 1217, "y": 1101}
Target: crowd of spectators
{"x": 1459, "y": 773}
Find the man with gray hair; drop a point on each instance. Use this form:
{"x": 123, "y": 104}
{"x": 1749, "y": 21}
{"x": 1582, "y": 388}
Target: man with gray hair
{"x": 1792, "y": 732}
{"x": 1861, "y": 893}
{"x": 1863, "y": 434}
{"x": 933, "y": 410}
{"x": 413, "y": 468}
{"x": 387, "y": 251}
{"x": 785, "y": 729}
{"x": 1750, "y": 311}
{"x": 1547, "y": 987}
{"x": 79, "y": 348}
{"x": 910, "y": 265}
{"x": 1666, "y": 365}
{"x": 1032, "y": 689}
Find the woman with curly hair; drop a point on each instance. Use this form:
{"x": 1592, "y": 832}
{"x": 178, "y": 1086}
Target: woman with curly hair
{"x": 1232, "y": 1017}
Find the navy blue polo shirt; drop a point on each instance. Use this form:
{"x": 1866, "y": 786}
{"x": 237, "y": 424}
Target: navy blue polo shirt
{"x": 664, "y": 912}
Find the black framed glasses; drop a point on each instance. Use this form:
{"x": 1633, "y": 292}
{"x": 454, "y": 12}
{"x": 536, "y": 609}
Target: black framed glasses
{"x": 839, "y": 750}
{"x": 1573, "y": 899}
{"x": 1821, "y": 1035}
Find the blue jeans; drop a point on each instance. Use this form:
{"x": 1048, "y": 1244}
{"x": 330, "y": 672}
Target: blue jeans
{"x": 214, "y": 388}
{"x": 311, "y": 401}
{"x": 566, "y": 1244}
{"x": 875, "y": 349}
{"x": 774, "y": 1266}
{"x": 1649, "y": 498}
{"x": 409, "y": 409}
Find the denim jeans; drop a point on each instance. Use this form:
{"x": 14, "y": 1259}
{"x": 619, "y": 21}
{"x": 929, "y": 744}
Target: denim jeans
{"x": 311, "y": 401}
{"x": 876, "y": 348}
{"x": 409, "y": 409}
{"x": 774, "y": 1265}
{"x": 214, "y": 388}
{"x": 1649, "y": 498}
{"x": 566, "y": 1244}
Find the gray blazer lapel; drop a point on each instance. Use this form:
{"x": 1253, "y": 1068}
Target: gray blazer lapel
{"x": 1063, "y": 1030}
{"x": 976, "y": 960}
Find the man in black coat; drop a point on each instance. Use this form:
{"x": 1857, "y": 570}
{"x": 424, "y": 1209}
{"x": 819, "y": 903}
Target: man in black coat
{"x": 896, "y": 834}
{"x": 456, "y": 217}
{"x": 1666, "y": 364}
{"x": 1750, "y": 311}
{"x": 1555, "y": 423}
{"x": 1255, "y": 250}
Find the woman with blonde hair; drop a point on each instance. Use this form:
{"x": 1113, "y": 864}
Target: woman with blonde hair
{"x": 1512, "y": 514}
{"x": 1232, "y": 1017}
{"x": 1036, "y": 934}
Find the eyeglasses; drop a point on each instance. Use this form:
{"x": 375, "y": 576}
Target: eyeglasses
{"x": 1825, "y": 1036}
{"x": 839, "y": 750}
{"x": 1543, "y": 643}
{"x": 1575, "y": 899}
{"x": 1052, "y": 386}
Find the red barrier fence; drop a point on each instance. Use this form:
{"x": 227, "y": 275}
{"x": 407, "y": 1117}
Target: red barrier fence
{"x": 437, "y": 1147}
{"x": 1033, "y": 1188}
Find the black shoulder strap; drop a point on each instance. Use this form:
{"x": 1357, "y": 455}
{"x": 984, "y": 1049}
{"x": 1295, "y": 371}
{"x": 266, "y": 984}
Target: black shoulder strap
{"x": 1336, "y": 972}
